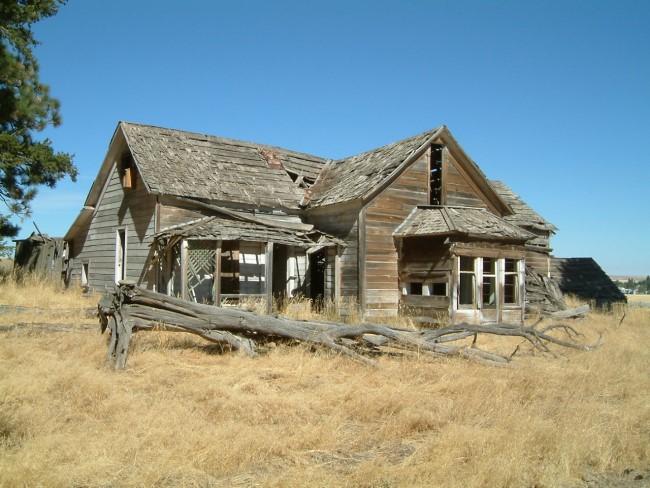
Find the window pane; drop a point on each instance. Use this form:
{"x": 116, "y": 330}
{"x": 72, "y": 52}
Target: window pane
{"x": 416, "y": 288}
{"x": 510, "y": 289}
{"x": 439, "y": 289}
{"x": 466, "y": 292}
{"x": 466, "y": 264}
{"x": 511, "y": 265}
{"x": 489, "y": 291}
{"x": 489, "y": 266}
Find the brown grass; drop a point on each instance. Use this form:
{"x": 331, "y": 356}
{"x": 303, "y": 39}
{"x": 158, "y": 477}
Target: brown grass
{"x": 185, "y": 414}
{"x": 638, "y": 299}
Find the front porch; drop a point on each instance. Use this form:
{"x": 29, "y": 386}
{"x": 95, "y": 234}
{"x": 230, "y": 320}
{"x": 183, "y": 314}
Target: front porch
{"x": 222, "y": 261}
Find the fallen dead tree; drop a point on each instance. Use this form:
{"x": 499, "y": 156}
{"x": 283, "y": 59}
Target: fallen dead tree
{"x": 129, "y": 309}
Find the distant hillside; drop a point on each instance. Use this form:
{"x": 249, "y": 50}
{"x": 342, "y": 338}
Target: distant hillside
{"x": 627, "y": 277}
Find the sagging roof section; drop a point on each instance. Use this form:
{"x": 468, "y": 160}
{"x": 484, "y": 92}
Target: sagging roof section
{"x": 467, "y": 221}
{"x": 225, "y": 228}
{"x": 524, "y": 215}
{"x": 354, "y": 177}
{"x": 186, "y": 164}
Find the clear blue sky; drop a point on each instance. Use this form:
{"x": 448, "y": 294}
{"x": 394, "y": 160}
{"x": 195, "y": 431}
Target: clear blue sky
{"x": 552, "y": 97}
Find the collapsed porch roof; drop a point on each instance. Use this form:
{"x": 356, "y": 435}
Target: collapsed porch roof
{"x": 467, "y": 221}
{"x": 230, "y": 229}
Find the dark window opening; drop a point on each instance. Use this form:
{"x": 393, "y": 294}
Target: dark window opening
{"x": 435, "y": 175}
{"x": 439, "y": 289}
{"x": 230, "y": 268}
{"x": 467, "y": 285}
{"x": 416, "y": 288}
{"x": 317, "y": 265}
{"x": 511, "y": 283}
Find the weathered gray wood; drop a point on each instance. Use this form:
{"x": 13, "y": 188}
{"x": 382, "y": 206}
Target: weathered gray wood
{"x": 130, "y": 309}
{"x": 571, "y": 313}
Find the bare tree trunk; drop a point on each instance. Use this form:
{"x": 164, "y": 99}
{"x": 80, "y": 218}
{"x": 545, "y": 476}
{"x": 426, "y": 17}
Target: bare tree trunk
{"x": 130, "y": 309}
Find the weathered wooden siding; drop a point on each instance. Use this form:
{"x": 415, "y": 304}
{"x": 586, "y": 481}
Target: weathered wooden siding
{"x": 458, "y": 188}
{"x": 538, "y": 261}
{"x": 119, "y": 208}
{"x": 171, "y": 213}
{"x": 423, "y": 259}
{"x": 381, "y": 218}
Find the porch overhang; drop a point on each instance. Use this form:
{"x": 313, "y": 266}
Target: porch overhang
{"x": 466, "y": 222}
{"x": 231, "y": 229}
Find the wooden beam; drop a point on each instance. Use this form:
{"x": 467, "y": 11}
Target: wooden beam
{"x": 184, "y": 269}
{"x": 217, "y": 275}
{"x": 268, "y": 276}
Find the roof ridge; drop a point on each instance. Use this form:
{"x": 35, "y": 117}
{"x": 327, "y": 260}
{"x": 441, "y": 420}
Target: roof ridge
{"x": 213, "y": 138}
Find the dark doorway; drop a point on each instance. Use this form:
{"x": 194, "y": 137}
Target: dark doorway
{"x": 279, "y": 274}
{"x": 317, "y": 264}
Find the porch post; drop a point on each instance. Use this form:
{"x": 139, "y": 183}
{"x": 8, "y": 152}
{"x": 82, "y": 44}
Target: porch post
{"x": 268, "y": 276}
{"x": 217, "y": 275}
{"x": 184, "y": 268}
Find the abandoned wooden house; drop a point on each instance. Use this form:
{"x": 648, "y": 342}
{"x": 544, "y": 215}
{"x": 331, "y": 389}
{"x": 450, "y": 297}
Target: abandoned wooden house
{"x": 412, "y": 227}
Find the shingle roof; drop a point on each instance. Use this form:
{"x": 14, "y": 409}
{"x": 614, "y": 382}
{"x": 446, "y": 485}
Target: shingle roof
{"x": 473, "y": 222}
{"x": 201, "y": 166}
{"x": 224, "y": 228}
{"x": 585, "y": 279}
{"x": 524, "y": 216}
{"x": 353, "y": 177}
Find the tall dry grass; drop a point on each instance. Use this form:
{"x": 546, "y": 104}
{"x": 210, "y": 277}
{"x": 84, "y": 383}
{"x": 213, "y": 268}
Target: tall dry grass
{"x": 184, "y": 413}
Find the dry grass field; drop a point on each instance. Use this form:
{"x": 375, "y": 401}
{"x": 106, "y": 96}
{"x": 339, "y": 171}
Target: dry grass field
{"x": 186, "y": 414}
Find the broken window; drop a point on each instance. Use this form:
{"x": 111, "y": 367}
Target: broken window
{"x": 489, "y": 288}
{"x": 435, "y": 175}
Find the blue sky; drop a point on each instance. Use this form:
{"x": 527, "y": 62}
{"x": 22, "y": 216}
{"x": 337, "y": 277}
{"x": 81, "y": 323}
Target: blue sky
{"x": 552, "y": 97}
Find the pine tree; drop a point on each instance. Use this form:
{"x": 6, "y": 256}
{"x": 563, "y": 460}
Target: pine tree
{"x": 26, "y": 108}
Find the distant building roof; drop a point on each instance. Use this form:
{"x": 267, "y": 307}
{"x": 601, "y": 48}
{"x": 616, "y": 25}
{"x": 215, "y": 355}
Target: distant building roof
{"x": 470, "y": 221}
{"x": 583, "y": 278}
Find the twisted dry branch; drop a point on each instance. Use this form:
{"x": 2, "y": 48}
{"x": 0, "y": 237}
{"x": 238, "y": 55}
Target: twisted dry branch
{"x": 130, "y": 309}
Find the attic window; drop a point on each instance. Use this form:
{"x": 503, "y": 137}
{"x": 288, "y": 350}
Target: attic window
{"x": 128, "y": 171}
{"x": 435, "y": 175}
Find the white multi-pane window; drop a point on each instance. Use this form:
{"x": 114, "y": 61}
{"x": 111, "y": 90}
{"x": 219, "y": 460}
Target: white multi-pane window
{"x": 482, "y": 281}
